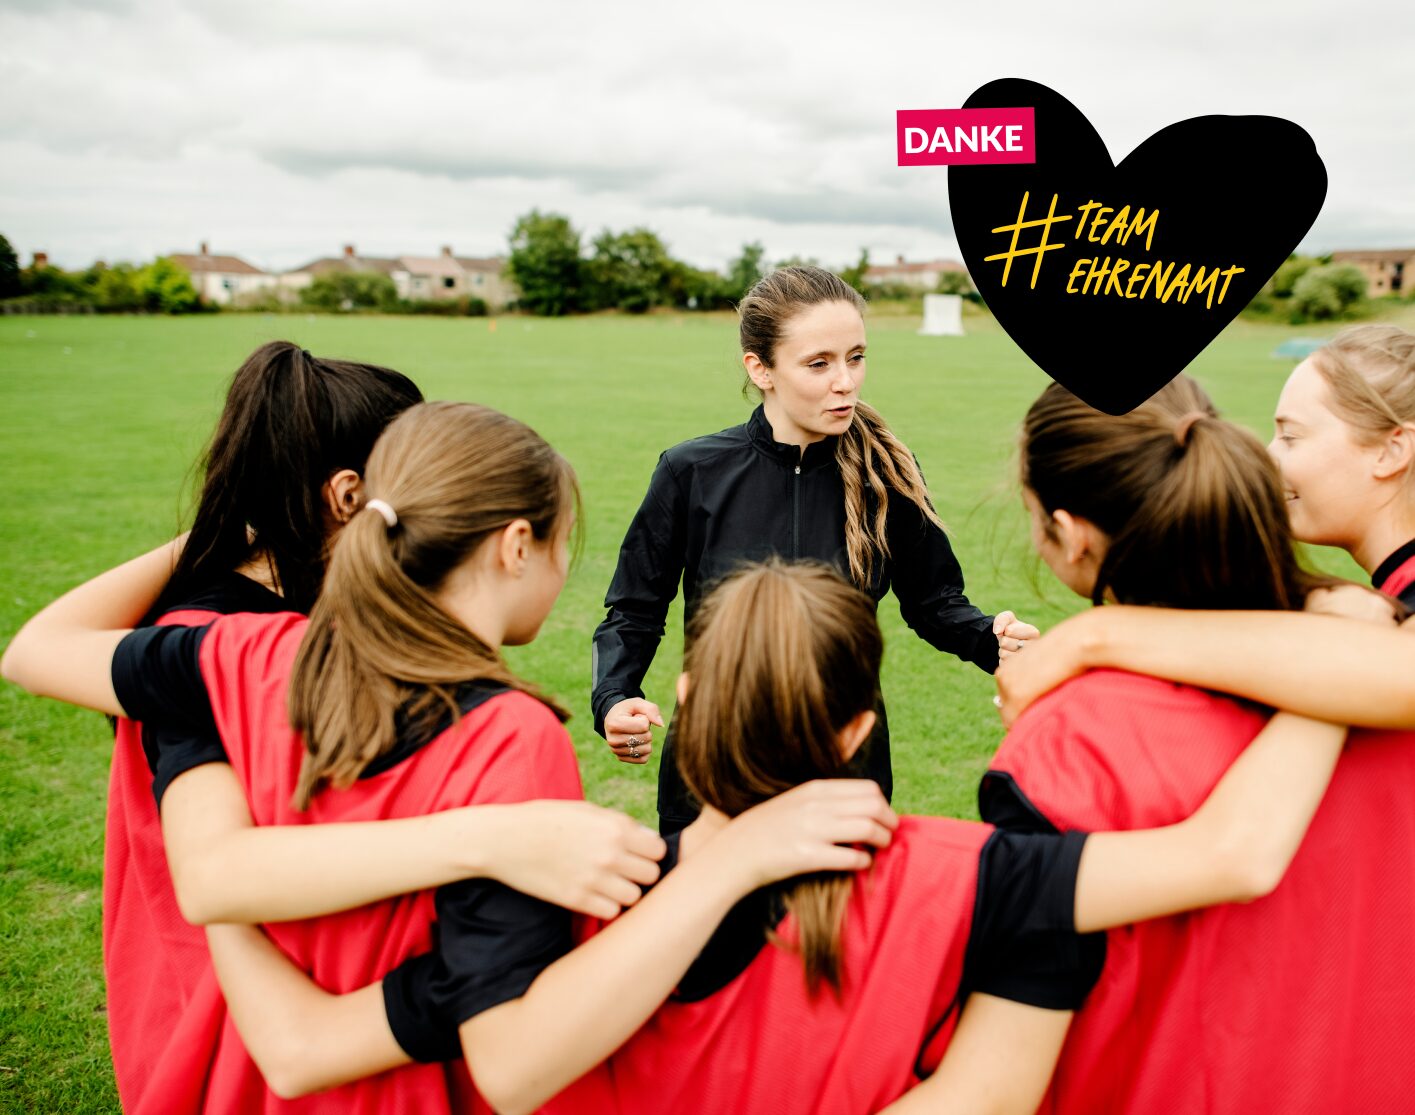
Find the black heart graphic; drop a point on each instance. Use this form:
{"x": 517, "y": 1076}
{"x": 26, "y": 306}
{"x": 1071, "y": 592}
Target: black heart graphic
{"x": 1226, "y": 192}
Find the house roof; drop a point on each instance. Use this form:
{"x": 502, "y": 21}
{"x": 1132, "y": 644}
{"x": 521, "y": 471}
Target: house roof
{"x": 431, "y": 265}
{"x": 348, "y": 263}
{"x": 1389, "y": 255}
{"x": 494, "y": 264}
{"x": 226, "y": 265}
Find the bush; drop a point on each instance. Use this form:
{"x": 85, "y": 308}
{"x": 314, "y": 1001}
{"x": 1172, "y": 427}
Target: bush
{"x": 9, "y": 270}
{"x": 467, "y": 305}
{"x": 1327, "y": 291}
{"x": 342, "y": 292}
{"x": 958, "y": 282}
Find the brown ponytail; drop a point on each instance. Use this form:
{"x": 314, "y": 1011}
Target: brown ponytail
{"x": 780, "y": 659}
{"x": 378, "y": 642}
{"x": 1192, "y": 505}
{"x": 873, "y": 462}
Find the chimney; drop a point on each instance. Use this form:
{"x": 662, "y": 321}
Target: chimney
{"x": 349, "y": 251}
{"x": 899, "y": 260}
{"x": 447, "y": 250}
{"x": 41, "y": 259}
{"x": 205, "y": 250}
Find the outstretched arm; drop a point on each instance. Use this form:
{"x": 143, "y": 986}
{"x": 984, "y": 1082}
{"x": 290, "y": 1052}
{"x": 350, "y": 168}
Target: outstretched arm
{"x": 1237, "y": 845}
{"x": 1324, "y": 666}
{"x": 225, "y": 869}
{"x": 66, "y": 650}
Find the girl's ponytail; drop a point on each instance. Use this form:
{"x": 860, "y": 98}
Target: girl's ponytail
{"x": 379, "y": 645}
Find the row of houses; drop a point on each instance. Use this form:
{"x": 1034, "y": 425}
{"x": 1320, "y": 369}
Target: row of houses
{"x": 227, "y": 279}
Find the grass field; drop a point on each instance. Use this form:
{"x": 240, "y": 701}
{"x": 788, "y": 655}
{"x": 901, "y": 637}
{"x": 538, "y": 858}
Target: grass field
{"x": 102, "y": 417}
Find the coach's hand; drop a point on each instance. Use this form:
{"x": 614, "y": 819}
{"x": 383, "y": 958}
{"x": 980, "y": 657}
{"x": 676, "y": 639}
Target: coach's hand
{"x": 1012, "y": 634}
{"x": 628, "y": 729}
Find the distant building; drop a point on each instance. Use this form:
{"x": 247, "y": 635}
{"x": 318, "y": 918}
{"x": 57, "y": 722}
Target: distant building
{"x": 418, "y": 278}
{"x": 924, "y": 275}
{"x": 220, "y": 279}
{"x": 1387, "y": 271}
{"x": 301, "y": 277}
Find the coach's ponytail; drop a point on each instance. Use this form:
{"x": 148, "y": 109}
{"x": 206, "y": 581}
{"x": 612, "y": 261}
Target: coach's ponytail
{"x": 378, "y": 643}
{"x": 1191, "y": 506}
{"x": 873, "y": 462}
{"x": 291, "y": 420}
{"x": 780, "y": 659}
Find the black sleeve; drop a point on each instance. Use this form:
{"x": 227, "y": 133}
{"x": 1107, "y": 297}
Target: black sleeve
{"x": 157, "y": 679}
{"x": 492, "y": 941}
{"x": 644, "y": 585}
{"x": 1024, "y": 945}
{"x": 928, "y": 583}
{"x": 1003, "y": 804}
{"x": 421, "y": 1012}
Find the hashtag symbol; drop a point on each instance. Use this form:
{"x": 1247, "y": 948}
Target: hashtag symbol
{"x": 1016, "y": 229}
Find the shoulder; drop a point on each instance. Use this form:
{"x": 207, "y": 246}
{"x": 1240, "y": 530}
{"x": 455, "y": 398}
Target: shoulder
{"x": 1102, "y": 698}
{"x": 932, "y": 849}
{"x": 513, "y": 748}
{"x": 707, "y": 449}
{"x": 225, "y": 595}
{"x": 265, "y": 642}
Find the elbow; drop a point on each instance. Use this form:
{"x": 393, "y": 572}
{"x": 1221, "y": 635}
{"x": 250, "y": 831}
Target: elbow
{"x": 12, "y": 662}
{"x": 1254, "y": 871}
{"x": 198, "y": 903}
{"x": 289, "y": 1075}
{"x": 501, "y": 1082}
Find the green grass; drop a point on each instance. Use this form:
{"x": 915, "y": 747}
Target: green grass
{"x": 102, "y": 417}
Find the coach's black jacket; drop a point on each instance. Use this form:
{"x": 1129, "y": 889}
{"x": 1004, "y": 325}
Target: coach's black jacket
{"x": 739, "y": 495}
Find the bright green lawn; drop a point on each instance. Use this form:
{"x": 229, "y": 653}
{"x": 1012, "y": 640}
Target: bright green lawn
{"x": 100, "y": 419}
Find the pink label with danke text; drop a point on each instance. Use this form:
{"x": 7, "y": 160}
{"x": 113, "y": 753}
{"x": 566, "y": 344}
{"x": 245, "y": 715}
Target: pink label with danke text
{"x": 963, "y": 136}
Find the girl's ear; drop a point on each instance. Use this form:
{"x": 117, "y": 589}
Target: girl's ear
{"x": 513, "y": 546}
{"x": 1397, "y": 453}
{"x": 757, "y": 372}
{"x": 343, "y": 494}
{"x": 854, "y": 734}
{"x": 681, "y": 689}
{"x": 1075, "y": 536}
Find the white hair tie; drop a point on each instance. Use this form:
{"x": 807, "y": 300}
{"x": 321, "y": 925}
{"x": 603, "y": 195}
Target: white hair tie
{"x": 389, "y": 515}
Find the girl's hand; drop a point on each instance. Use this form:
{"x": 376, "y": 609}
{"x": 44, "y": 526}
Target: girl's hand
{"x": 1047, "y": 662}
{"x": 627, "y": 729}
{"x": 574, "y": 854}
{"x": 1353, "y": 602}
{"x": 1012, "y": 634}
{"x": 808, "y": 828}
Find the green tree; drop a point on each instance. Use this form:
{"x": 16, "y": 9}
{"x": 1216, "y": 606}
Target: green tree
{"x": 744, "y": 271}
{"x": 345, "y": 291}
{"x": 115, "y": 289}
{"x": 630, "y": 271}
{"x": 1327, "y": 291}
{"x": 544, "y": 262}
{"x": 957, "y": 282}
{"x": 9, "y": 270}
{"x": 1292, "y": 269}
{"x": 166, "y": 288}
{"x": 855, "y": 275}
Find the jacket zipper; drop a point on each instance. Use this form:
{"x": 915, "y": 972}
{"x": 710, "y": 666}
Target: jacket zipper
{"x": 796, "y": 516}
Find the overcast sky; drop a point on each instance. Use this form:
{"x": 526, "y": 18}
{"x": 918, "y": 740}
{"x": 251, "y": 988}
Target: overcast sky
{"x": 281, "y": 131}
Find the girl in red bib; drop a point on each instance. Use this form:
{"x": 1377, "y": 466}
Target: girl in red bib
{"x": 1300, "y": 1002}
{"x": 829, "y": 993}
